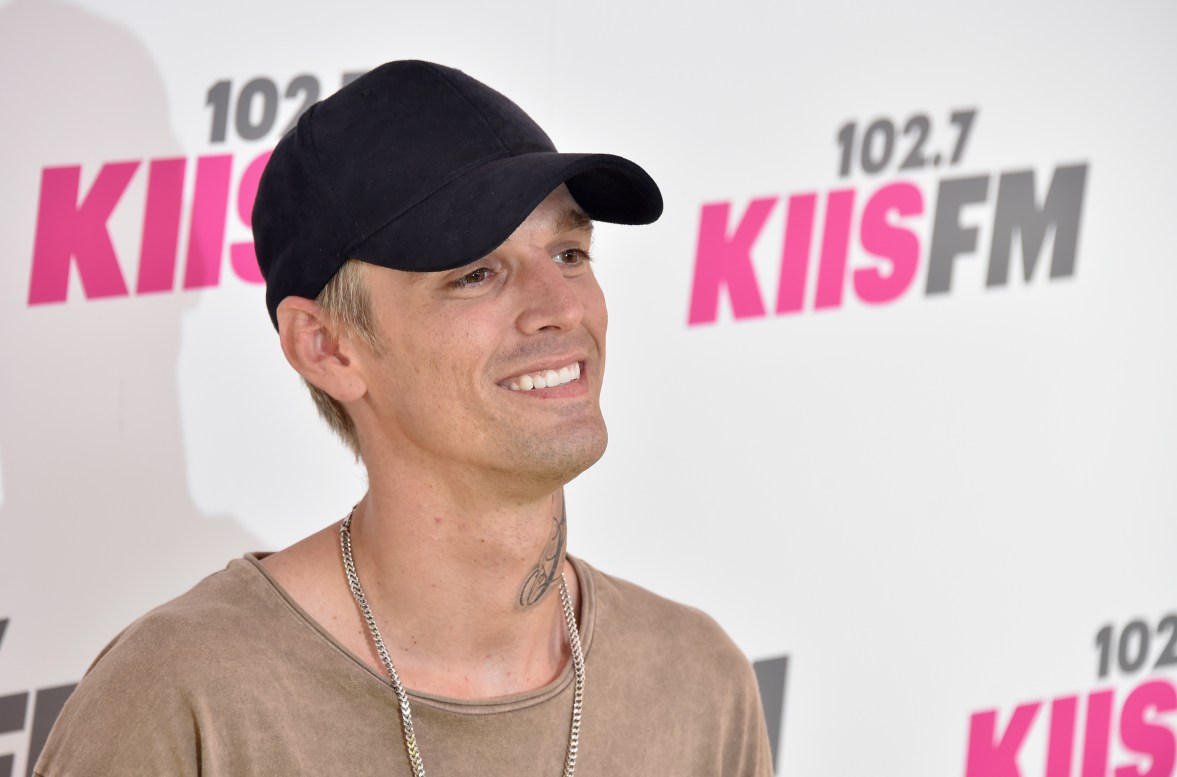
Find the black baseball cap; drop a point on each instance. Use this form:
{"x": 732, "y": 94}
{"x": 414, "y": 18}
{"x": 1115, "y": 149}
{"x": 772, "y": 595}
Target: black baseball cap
{"x": 417, "y": 166}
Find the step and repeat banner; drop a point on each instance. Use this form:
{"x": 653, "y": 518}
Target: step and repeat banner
{"x": 892, "y": 388}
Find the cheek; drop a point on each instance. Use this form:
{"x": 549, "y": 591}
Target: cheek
{"x": 415, "y": 369}
{"x": 596, "y": 315}
{"x": 452, "y": 364}
{"x": 602, "y": 324}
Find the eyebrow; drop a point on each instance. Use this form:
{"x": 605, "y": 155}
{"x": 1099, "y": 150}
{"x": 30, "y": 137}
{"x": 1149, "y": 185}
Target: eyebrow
{"x": 574, "y": 219}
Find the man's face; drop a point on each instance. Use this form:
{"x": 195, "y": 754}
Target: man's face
{"x": 495, "y": 367}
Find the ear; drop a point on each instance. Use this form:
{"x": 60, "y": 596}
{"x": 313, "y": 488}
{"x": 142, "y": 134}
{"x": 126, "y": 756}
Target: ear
{"x": 316, "y": 351}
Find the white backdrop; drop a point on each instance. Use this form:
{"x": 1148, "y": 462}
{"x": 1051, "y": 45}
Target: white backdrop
{"x": 933, "y": 505}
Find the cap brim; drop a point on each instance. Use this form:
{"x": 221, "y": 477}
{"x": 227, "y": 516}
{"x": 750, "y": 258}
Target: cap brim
{"x": 474, "y": 213}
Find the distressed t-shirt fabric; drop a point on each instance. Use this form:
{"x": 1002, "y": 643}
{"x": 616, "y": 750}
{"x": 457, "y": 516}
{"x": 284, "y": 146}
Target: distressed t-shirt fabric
{"x": 234, "y": 678}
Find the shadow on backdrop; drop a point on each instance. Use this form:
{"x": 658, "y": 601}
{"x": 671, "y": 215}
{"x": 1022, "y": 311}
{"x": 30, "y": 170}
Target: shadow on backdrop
{"x": 97, "y": 523}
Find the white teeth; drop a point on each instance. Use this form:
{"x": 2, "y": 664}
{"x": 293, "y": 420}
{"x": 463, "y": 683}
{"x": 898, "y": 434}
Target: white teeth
{"x": 545, "y": 379}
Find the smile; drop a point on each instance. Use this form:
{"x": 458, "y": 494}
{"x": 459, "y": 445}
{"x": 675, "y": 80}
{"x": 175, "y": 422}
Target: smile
{"x": 544, "y": 378}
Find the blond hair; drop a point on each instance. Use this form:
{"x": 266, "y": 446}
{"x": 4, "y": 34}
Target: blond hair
{"x": 347, "y": 308}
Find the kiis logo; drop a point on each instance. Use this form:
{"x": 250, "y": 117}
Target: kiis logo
{"x": 723, "y": 256}
{"x": 1132, "y": 734}
{"x": 72, "y": 227}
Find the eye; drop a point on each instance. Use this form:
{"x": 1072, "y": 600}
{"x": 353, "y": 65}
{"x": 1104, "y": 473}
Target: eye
{"x": 472, "y": 278}
{"x": 573, "y": 257}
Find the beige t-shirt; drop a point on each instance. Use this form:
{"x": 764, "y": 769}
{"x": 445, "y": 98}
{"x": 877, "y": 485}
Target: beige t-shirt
{"x": 233, "y": 678}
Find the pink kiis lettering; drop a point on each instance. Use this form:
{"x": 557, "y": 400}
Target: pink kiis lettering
{"x": 795, "y": 254}
{"x": 1098, "y": 734}
{"x": 241, "y": 255}
{"x": 1061, "y": 743}
{"x": 724, "y": 259}
{"x": 1141, "y": 731}
{"x": 994, "y": 755}
{"x": 880, "y": 237}
{"x": 1147, "y": 733}
{"x": 67, "y": 228}
{"x": 161, "y": 225}
{"x": 206, "y": 238}
{"x": 831, "y": 274}
{"x": 72, "y": 228}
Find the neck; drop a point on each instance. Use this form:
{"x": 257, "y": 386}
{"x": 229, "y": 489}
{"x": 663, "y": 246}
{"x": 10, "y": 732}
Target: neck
{"x": 465, "y": 591}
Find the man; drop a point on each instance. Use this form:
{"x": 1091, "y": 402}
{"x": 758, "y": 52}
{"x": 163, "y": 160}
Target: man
{"x": 426, "y": 254}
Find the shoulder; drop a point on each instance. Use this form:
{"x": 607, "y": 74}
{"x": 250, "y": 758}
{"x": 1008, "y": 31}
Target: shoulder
{"x": 640, "y": 631}
{"x": 652, "y": 622}
{"x": 155, "y": 676}
{"x": 192, "y": 628}
{"x": 662, "y": 666}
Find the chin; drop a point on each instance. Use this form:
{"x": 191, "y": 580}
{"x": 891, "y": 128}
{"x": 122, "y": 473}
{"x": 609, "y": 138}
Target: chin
{"x": 553, "y": 463}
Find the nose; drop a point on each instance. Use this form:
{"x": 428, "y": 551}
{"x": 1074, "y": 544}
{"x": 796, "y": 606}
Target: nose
{"x": 549, "y": 300}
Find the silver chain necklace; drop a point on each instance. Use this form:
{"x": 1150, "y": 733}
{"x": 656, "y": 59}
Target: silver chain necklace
{"x": 415, "y": 763}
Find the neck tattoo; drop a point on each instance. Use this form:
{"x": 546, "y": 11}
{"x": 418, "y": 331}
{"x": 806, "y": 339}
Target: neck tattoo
{"x": 415, "y": 762}
{"x": 540, "y": 579}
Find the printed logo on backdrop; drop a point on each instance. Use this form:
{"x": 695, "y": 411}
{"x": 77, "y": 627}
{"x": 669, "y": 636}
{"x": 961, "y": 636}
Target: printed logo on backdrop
{"x": 29, "y": 711}
{"x": 72, "y": 221}
{"x": 1129, "y": 730}
{"x": 771, "y": 679}
{"x": 867, "y": 243}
